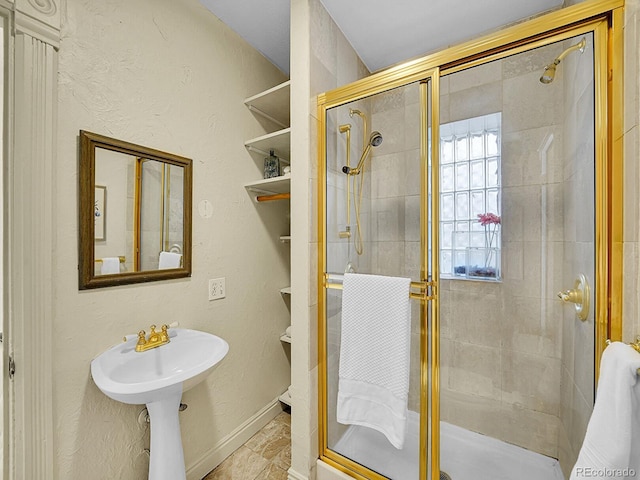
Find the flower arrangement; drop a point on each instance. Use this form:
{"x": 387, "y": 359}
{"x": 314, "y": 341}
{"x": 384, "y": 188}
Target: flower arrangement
{"x": 490, "y": 222}
{"x": 486, "y": 220}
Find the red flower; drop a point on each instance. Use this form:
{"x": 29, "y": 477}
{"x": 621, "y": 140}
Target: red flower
{"x": 488, "y": 219}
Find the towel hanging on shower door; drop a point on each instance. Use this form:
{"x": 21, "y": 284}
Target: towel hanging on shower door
{"x": 373, "y": 385}
{"x": 611, "y": 447}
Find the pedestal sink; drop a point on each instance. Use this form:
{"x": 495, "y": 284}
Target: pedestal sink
{"x": 157, "y": 378}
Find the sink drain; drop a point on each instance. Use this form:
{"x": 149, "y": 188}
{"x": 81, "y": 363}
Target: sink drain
{"x": 444, "y": 476}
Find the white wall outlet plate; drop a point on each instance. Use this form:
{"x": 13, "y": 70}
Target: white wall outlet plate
{"x": 216, "y": 288}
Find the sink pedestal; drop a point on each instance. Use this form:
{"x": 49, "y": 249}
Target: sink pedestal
{"x": 157, "y": 378}
{"x": 166, "y": 457}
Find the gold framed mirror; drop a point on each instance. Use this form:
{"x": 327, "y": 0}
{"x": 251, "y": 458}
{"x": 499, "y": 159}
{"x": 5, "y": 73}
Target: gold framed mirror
{"x": 134, "y": 213}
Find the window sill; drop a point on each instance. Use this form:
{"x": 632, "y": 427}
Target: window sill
{"x": 471, "y": 279}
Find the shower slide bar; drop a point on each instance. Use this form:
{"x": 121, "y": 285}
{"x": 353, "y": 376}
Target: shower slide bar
{"x": 334, "y": 281}
{"x": 121, "y": 258}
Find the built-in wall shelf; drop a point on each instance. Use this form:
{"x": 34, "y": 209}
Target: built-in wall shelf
{"x": 269, "y": 186}
{"x": 279, "y": 142}
{"x": 285, "y": 338}
{"x": 285, "y": 398}
{"x": 273, "y": 104}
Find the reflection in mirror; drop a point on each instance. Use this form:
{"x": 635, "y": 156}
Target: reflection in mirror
{"x": 135, "y": 213}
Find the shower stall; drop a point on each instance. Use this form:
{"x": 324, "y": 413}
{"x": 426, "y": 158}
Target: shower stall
{"x": 488, "y": 175}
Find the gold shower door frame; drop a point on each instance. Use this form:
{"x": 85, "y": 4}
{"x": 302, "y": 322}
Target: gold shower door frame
{"x": 603, "y": 18}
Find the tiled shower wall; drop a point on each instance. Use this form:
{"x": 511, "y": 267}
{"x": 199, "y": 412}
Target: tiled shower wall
{"x": 577, "y": 365}
{"x": 501, "y": 342}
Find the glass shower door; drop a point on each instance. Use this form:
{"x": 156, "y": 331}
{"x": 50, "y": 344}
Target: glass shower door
{"x": 375, "y": 224}
{"x": 517, "y": 227}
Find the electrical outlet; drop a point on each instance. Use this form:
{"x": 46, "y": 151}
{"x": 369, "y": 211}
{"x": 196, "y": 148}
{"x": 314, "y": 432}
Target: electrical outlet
{"x": 216, "y": 288}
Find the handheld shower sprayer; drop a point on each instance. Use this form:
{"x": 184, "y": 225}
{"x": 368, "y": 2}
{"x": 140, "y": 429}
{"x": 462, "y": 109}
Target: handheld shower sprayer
{"x": 374, "y": 140}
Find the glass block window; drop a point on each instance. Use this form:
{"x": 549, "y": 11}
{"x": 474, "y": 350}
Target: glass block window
{"x": 470, "y": 188}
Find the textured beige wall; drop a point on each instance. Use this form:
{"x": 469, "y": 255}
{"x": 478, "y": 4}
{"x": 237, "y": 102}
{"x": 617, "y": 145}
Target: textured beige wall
{"x": 170, "y": 76}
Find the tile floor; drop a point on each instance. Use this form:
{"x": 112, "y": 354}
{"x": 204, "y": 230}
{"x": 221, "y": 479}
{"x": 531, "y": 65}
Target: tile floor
{"x": 265, "y": 456}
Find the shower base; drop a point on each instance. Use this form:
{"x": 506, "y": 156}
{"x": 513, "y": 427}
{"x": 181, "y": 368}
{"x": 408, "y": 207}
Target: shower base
{"x": 465, "y": 455}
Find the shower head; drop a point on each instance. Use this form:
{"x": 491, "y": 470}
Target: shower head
{"x": 550, "y": 70}
{"x": 374, "y": 140}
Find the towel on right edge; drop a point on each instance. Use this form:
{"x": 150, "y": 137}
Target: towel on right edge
{"x": 373, "y": 385}
{"x": 611, "y": 447}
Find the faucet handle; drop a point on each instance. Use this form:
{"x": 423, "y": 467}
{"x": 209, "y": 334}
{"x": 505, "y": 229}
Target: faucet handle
{"x": 142, "y": 337}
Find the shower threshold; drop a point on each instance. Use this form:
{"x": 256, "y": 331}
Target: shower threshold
{"x": 465, "y": 455}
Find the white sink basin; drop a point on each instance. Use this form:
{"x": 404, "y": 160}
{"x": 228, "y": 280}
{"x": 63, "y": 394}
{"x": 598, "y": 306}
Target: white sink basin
{"x": 141, "y": 377}
{"x": 157, "y": 378}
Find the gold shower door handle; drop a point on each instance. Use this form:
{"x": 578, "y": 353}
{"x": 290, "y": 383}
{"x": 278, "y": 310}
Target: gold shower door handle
{"x": 579, "y": 296}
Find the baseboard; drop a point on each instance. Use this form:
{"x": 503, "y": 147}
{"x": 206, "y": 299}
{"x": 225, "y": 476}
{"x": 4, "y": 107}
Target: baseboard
{"x": 233, "y": 441}
{"x": 293, "y": 475}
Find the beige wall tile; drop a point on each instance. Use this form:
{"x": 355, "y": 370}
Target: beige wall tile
{"x": 566, "y": 455}
{"x": 530, "y": 429}
{"x": 532, "y": 325}
{"x": 474, "y": 370}
{"x": 388, "y": 174}
{"x": 389, "y": 220}
{"x": 631, "y": 181}
{"x": 581, "y": 413}
{"x": 531, "y": 381}
{"x": 532, "y": 157}
{"x": 542, "y": 105}
{"x": 488, "y": 73}
{"x": 631, "y": 294}
{"x": 474, "y": 102}
{"x": 533, "y": 61}
{"x": 474, "y": 318}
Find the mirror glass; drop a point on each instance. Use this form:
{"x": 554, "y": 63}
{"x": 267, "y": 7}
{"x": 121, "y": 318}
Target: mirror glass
{"x": 135, "y": 205}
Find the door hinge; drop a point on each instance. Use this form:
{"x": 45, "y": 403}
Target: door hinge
{"x": 12, "y": 367}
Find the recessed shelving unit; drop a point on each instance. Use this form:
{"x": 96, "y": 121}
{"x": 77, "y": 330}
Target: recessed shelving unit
{"x": 274, "y": 105}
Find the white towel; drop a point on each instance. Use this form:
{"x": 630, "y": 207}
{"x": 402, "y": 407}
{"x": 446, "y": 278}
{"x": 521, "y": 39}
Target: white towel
{"x": 373, "y": 386}
{"x": 110, "y": 265}
{"x": 612, "y": 441}
{"x": 169, "y": 260}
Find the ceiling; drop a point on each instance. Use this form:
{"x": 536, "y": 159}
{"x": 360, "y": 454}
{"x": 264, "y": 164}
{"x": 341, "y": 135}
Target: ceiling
{"x": 382, "y": 32}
